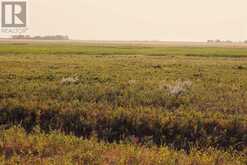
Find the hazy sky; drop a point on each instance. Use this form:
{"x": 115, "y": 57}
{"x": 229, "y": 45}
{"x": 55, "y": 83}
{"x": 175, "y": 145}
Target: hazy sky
{"x": 190, "y": 20}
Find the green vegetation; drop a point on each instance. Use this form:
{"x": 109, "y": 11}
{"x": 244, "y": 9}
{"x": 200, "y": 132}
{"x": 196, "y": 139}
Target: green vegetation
{"x": 149, "y": 105}
{"x": 117, "y": 49}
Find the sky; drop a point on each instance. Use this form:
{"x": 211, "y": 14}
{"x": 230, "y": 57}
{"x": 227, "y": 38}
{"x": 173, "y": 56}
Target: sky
{"x": 166, "y": 20}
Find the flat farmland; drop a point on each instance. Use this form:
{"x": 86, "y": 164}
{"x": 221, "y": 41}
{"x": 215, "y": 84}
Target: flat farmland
{"x": 123, "y": 103}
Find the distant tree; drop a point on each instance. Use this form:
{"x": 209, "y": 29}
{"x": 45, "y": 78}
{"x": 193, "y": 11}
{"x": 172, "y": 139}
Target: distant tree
{"x": 217, "y": 41}
{"x": 55, "y": 37}
{"x": 210, "y": 41}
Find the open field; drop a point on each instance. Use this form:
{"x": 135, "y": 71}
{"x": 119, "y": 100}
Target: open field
{"x": 122, "y": 104}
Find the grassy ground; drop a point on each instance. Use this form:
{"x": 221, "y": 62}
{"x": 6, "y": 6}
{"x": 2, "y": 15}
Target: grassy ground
{"x": 189, "y": 103}
{"x": 56, "y": 148}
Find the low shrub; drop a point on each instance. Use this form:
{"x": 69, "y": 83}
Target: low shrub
{"x": 180, "y": 130}
{"x": 17, "y": 147}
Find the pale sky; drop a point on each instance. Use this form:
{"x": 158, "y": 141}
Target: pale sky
{"x": 168, "y": 20}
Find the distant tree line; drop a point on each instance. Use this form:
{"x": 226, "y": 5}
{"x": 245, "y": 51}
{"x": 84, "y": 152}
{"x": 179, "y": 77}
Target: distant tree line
{"x": 224, "y": 41}
{"x": 50, "y": 37}
{"x": 219, "y": 41}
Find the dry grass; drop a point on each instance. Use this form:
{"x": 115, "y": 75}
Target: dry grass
{"x": 186, "y": 98}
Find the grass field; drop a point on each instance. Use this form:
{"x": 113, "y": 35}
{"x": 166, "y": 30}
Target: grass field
{"x": 74, "y": 103}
